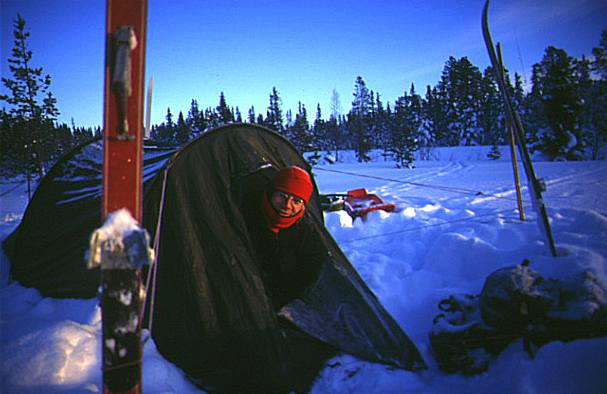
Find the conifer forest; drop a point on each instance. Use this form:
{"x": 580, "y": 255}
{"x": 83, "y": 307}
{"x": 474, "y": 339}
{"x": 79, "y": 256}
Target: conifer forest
{"x": 562, "y": 108}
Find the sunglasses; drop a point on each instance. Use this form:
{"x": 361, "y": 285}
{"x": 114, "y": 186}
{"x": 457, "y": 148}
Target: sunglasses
{"x": 287, "y": 197}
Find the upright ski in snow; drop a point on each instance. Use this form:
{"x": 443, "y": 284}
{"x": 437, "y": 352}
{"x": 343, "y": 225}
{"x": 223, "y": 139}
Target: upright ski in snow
{"x": 535, "y": 185}
{"x": 120, "y": 247}
{"x": 123, "y": 106}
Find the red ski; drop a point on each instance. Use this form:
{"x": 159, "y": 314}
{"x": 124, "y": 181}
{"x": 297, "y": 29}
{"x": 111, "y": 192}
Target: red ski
{"x": 123, "y": 106}
{"x": 120, "y": 247}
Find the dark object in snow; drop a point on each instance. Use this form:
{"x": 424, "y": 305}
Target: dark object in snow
{"x": 513, "y": 297}
{"x": 517, "y": 302}
{"x": 520, "y": 300}
{"x": 333, "y": 202}
{"x": 212, "y": 316}
{"x": 460, "y": 341}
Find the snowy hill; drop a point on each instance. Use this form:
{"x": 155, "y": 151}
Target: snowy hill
{"x": 455, "y": 224}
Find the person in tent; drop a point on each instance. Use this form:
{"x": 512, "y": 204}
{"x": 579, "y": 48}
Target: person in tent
{"x": 290, "y": 254}
{"x": 289, "y": 251}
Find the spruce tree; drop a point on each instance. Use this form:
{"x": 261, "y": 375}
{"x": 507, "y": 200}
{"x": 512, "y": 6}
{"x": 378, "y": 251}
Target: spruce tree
{"x": 359, "y": 120}
{"x": 600, "y": 57}
{"x": 274, "y": 114}
{"x": 382, "y": 127}
{"x": 595, "y": 98}
{"x": 288, "y": 123}
{"x": 300, "y": 130}
{"x": 416, "y": 117}
{"x": 333, "y": 136}
{"x": 165, "y": 133}
{"x": 460, "y": 86}
{"x": 212, "y": 117}
{"x": 182, "y": 130}
{"x": 372, "y": 107}
{"x": 251, "y": 117}
{"x": 362, "y": 103}
{"x": 407, "y": 120}
{"x": 557, "y": 105}
{"x": 11, "y": 156}
{"x": 195, "y": 120}
{"x": 518, "y": 95}
{"x": 490, "y": 119}
{"x": 319, "y": 136}
{"x": 34, "y": 121}
{"x": 436, "y": 124}
{"x": 225, "y": 115}
{"x": 399, "y": 131}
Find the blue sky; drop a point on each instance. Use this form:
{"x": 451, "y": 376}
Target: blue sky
{"x": 197, "y": 49}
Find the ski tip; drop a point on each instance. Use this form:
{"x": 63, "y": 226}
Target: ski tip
{"x": 485, "y": 11}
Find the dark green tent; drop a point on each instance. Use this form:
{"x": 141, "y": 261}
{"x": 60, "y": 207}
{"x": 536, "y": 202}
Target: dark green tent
{"x": 211, "y": 312}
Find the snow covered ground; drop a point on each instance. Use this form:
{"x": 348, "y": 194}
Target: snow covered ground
{"x": 456, "y": 223}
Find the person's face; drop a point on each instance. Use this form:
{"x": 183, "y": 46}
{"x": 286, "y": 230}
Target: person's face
{"x": 286, "y": 204}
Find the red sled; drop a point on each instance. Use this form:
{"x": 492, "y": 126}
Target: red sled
{"x": 360, "y": 202}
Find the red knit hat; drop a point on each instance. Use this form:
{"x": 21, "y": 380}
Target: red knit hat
{"x": 294, "y": 180}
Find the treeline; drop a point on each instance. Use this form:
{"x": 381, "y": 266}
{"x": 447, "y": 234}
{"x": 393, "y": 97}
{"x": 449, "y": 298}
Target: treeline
{"x": 563, "y": 113}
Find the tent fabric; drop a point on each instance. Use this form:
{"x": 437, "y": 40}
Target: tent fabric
{"x": 47, "y": 249}
{"x": 211, "y": 312}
